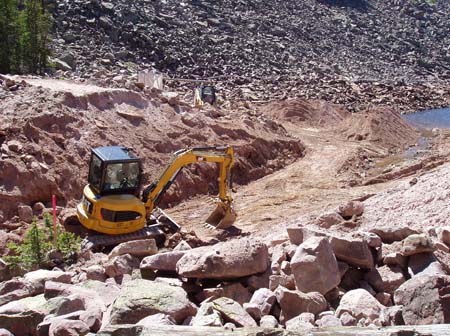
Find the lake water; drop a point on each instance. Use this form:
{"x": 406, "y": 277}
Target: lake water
{"x": 438, "y": 118}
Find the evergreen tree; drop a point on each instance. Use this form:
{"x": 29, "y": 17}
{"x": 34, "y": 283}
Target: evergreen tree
{"x": 9, "y": 37}
{"x": 35, "y": 24}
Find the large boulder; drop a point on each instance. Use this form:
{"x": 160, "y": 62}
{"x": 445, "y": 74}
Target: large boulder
{"x": 354, "y": 251}
{"x": 121, "y": 264}
{"x": 107, "y": 292}
{"x": 162, "y": 261}
{"x": 314, "y": 266}
{"x": 424, "y": 263}
{"x": 30, "y": 285}
{"x": 137, "y": 248}
{"x": 22, "y": 317}
{"x": 232, "y": 259}
{"x": 359, "y": 303}
{"x": 38, "y": 278}
{"x": 90, "y": 298}
{"x": 140, "y": 298}
{"x": 425, "y": 299}
{"x": 294, "y": 302}
{"x": 16, "y": 289}
{"x": 386, "y": 278}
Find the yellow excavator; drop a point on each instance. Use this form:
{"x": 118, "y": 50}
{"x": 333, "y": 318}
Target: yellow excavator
{"x": 111, "y": 212}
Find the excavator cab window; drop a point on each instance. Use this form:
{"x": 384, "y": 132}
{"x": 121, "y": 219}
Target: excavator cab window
{"x": 114, "y": 170}
{"x": 208, "y": 94}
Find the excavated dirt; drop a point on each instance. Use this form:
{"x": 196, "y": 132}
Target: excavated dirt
{"x": 48, "y": 128}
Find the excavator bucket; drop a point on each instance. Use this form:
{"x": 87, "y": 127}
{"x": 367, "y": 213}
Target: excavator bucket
{"x": 222, "y": 217}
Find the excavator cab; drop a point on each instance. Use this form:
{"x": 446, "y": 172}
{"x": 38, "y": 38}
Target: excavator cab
{"x": 114, "y": 170}
{"x": 205, "y": 94}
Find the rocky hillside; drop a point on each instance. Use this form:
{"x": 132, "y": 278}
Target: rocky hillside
{"x": 331, "y": 49}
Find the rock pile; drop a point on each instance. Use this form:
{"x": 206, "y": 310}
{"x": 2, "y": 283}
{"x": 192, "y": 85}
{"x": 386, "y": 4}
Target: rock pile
{"x": 348, "y": 52}
{"x": 389, "y": 276}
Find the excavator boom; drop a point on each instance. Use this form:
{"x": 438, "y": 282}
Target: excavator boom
{"x": 223, "y": 216}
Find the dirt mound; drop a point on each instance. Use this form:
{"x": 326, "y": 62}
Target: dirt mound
{"x": 46, "y": 135}
{"x": 384, "y": 127}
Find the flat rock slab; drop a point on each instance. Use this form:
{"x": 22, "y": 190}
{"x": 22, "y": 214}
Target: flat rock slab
{"x": 133, "y": 330}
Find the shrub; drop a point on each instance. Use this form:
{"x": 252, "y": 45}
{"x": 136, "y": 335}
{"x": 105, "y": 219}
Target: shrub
{"x": 38, "y": 242}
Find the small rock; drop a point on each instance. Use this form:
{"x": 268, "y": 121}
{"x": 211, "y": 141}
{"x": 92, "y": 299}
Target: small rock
{"x": 328, "y": 220}
{"x": 268, "y": 321}
{"x": 384, "y": 298}
{"x": 182, "y": 246}
{"x": 14, "y": 145}
{"x": 156, "y": 320}
{"x": 347, "y": 320}
{"x": 417, "y": 243}
{"x": 393, "y": 233}
{"x": 444, "y": 235}
{"x": 233, "y": 311}
{"x": 68, "y": 328}
{"x": 328, "y": 321}
{"x": 298, "y": 325}
{"x": 284, "y": 280}
{"x": 25, "y": 213}
{"x": 350, "y": 209}
{"x": 295, "y": 234}
{"x": 95, "y": 272}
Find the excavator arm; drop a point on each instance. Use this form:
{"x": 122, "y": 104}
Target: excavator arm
{"x": 224, "y": 215}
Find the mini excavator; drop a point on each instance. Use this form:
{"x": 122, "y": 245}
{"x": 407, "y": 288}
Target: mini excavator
{"x": 205, "y": 94}
{"x": 110, "y": 211}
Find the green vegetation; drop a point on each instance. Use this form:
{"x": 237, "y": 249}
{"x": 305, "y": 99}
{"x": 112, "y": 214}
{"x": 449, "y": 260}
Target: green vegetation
{"x": 38, "y": 242}
{"x": 23, "y": 36}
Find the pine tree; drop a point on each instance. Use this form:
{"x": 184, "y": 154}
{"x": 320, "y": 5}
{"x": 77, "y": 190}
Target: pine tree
{"x": 35, "y": 24}
{"x": 9, "y": 37}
